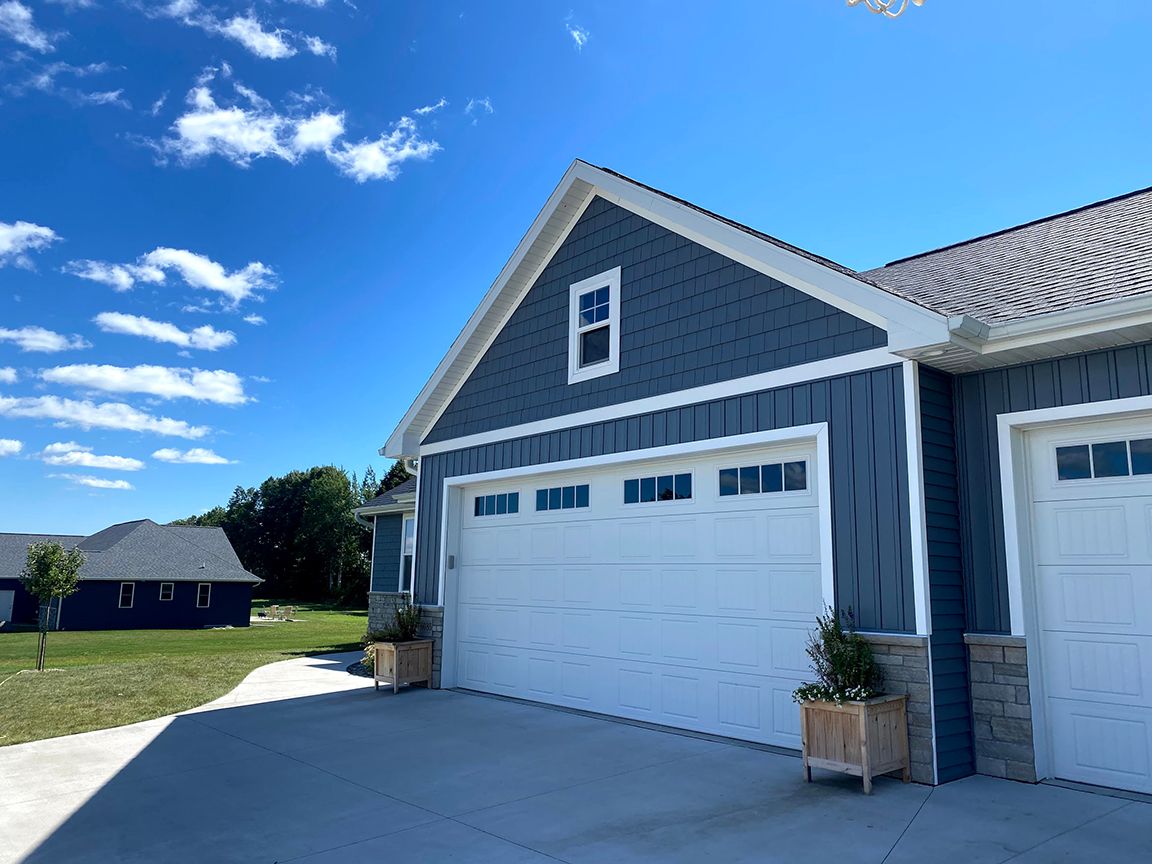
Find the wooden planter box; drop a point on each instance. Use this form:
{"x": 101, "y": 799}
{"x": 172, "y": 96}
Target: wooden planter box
{"x": 863, "y": 739}
{"x": 403, "y": 663}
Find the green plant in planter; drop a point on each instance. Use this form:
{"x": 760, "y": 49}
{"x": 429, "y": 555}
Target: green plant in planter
{"x": 405, "y": 627}
{"x": 842, "y": 659}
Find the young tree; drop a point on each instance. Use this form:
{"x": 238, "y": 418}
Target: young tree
{"x": 51, "y": 573}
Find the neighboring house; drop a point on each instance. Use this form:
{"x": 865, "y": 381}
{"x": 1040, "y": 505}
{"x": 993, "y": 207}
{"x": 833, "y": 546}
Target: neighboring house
{"x": 665, "y": 440}
{"x": 392, "y": 518}
{"x": 137, "y": 575}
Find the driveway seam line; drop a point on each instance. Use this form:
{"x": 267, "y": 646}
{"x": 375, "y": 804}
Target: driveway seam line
{"x": 911, "y": 821}
{"x": 1067, "y": 831}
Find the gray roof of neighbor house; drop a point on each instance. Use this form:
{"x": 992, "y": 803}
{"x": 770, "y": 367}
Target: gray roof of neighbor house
{"x": 1089, "y": 255}
{"x": 388, "y": 498}
{"x": 140, "y": 551}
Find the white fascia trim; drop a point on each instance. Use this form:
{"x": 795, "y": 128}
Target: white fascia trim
{"x": 385, "y": 509}
{"x": 874, "y": 358}
{"x": 817, "y": 432}
{"x": 576, "y": 372}
{"x": 916, "y": 505}
{"x": 1068, "y": 324}
{"x": 1014, "y": 483}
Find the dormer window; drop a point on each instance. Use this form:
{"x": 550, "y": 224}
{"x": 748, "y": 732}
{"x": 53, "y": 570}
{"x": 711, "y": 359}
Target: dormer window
{"x": 594, "y": 327}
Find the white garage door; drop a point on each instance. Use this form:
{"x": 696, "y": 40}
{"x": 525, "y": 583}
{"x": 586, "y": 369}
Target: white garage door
{"x": 1092, "y": 532}
{"x": 676, "y": 592}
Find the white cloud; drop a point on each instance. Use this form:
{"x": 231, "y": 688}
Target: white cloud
{"x": 104, "y": 97}
{"x": 255, "y": 320}
{"x": 194, "y": 456}
{"x": 316, "y": 45}
{"x": 247, "y": 127}
{"x": 579, "y": 34}
{"x": 35, "y": 75}
{"x": 196, "y": 271}
{"x": 158, "y": 105}
{"x": 17, "y": 239}
{"x": 85, "y": 414}
{"x": 16, "y": 23}
{"x": 431, "y": 109}
{"x": 247, "y": 30}
{"x": 7, "y": 375}
{"x": 476, "y": 107}
{"x": 380, "y": 159}
{"x": 166, "y": 382}
{"x": 10, "y": 446}
{"x": 94, "y": 482}
{"x": 205, "y": 338}
{"x": 72, "y": 455}
{"x": 39, "y": 339}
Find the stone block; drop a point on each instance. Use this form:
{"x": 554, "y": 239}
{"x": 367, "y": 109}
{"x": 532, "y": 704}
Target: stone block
{"x": 1014, "y": 709}
{"x": 1006, "y": 750}
{"x": 1022, "y": 695}
{"x": 1012, "y": 729}
{"x": 986, "y": 653}
{"x": 994, "y": 692}
{"x": 991, "y": 766}
{"x": 988, "y": 708}
{"x": 981, "y": 672}
{"x": 1023, "y": 771}
{"x": 1018, "y": 656}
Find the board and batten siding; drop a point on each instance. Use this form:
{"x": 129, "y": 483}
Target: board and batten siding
{"x": 689, "y": 317}
{"x": 1098, "y": 376}
{"x": 955, "y": 757}
{"x": 869, "y": 477}
{"x": 386, "y": 540}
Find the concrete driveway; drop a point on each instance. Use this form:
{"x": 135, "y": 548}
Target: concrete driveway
{"x": 306, "y": 763}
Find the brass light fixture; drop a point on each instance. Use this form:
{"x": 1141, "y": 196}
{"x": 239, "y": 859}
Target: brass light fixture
{"x": 887, "y": 8}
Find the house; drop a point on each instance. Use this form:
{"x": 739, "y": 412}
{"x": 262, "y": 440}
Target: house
{"x": 137, "y": 575}
{"x": 392, "y": 517}
{"x": 664, "y": 440}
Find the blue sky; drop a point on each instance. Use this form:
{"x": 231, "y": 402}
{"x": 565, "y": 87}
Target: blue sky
{"x": 235, "y": 238}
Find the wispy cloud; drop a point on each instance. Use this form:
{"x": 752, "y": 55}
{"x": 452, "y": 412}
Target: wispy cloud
{"x": 205, "y": 338}
{"x": 579, "y": 35}
{"x": 255, "y": 320}
{"x": 42, "y": 340}
{"x": 431, "y": 109}
{"x": 8, "y": 375}
{"x": 259, "y": 38}
{"x": 16, "y": 22}
{"x": 247, "y": 127}
{"x": 166, "y": 382}
{"x": 477, "y": 107}
{"x": 194, "y": 270}
{"x": 61, "y": 79}
{"x": 94, "y": 482}
{"x": 69, "y": 454}
{"x": 17, "y": 239}
{"x": 194, "y": 456}
{"x": 85, "y": 414}
{"x": 10, "y": 446}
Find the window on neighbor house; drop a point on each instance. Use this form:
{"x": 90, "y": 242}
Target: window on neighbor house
{"x": 166, "y": 591}
{"x": 594, "y": 327}
{"x": 203, "y": 595}
{"x": 127, "y": 594}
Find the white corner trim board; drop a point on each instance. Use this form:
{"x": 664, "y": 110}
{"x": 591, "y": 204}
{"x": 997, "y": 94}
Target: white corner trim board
{"x": 1014, "y": 483}
{"x": 916, "y": 505}
{"x": 875, "y": 358}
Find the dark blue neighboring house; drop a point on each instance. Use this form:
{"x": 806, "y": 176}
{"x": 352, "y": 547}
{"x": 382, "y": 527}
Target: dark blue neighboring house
{"x": 137, "y": 575}
{"x": 664, "y": 440}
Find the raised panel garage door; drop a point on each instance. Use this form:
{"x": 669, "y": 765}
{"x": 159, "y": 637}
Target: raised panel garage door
{"x": 675, "y": 592}
{"x": 1092, "y": 551}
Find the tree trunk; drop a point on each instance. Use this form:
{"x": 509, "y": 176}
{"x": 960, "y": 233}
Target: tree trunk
{"x": 40, "y": 651}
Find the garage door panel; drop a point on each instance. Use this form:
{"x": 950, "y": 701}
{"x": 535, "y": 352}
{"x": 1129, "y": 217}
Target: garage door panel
{"x": 1109, "y": 748}
{"x": 1096, "y": 599}
{"x": 1088, "y": 667}
{"x": 1093, "y": 530}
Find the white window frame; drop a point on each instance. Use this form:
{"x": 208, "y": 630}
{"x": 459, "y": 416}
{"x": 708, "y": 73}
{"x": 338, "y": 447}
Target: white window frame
{"x": 576, "y": 372}
{"x": 171, "y": 591}
{"x": 131, "y": 599}
{"x": 408, "y": 519}
{"x": 200, "y": 585}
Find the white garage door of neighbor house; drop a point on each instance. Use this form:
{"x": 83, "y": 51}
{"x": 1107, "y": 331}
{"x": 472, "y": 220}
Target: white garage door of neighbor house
{"x": 1092, "y": 554}
{"x": 7, "y": 600}
{"x": 676, "y": 592}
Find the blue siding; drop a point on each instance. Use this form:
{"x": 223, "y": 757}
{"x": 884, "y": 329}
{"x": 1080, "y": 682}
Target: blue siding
{"x": 95, "y": 606}
{"x": 954, "y": 746}
{"x": 864, "y": 412}
{"x": 980, "y": 397}
{"x": 690, "y": 317}
{"x": 386, "y": 541}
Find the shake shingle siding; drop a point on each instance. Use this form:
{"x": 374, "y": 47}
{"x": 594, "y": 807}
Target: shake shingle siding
{"x": 864, "y": 411}
{"x": 690, "y": 317}
{"x": 980, "y": 397}
{"x": 946, "y": 577}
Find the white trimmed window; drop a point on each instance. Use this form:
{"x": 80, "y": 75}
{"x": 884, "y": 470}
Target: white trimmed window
{"x": 127, "y": 594}
{"x": 165, "y": 591}
{"x": 594, "y": 327}
{"x": 407, "y": 551}
{"x": 203, "y": 595}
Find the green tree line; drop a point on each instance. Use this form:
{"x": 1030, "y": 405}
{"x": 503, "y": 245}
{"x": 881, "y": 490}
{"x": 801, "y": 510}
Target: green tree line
{"x": 298, "y": 534}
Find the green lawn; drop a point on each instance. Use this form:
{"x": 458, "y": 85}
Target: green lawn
{"x": 112, "y": 677}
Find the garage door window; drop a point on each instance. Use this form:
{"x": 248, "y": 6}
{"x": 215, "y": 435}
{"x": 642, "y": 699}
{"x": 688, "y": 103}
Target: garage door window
{"x": 1103, "y": 460}
{"x": 758, "y": 479}
{"x": 666, "y": 487}
{"x": 562, "y": 498}
{"x": 497, "y": 505}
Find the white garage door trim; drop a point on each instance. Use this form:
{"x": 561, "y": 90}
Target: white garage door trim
{"x": 816, "y": 433}
{"x": 1016, "y": 497}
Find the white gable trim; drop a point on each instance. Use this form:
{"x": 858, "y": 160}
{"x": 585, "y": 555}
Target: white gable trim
{"x": 908, "y": 325}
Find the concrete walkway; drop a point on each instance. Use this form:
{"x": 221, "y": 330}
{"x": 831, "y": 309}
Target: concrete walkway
{"x": 306, "y": 763}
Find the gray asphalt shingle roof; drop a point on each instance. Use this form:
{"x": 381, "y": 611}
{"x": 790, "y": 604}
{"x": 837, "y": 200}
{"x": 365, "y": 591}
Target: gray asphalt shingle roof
{"x": 1079, "y": 258}
{"x": 389, "y": 497}
{"x": 140, "y": 551}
